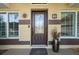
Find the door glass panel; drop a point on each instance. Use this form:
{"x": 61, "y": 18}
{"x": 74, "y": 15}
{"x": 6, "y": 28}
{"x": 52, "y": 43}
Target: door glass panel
{"x": 39, "y": 23}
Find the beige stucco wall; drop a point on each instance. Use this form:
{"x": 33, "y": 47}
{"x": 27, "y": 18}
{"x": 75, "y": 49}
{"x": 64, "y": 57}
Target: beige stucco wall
{"x": 24, "y": 31}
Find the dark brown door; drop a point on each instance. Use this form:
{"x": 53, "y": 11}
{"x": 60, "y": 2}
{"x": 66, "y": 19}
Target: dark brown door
{"x": 39, "y": 28}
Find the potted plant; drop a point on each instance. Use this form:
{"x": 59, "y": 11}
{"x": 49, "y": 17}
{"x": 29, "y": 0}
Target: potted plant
{"x": 55, "y": 42}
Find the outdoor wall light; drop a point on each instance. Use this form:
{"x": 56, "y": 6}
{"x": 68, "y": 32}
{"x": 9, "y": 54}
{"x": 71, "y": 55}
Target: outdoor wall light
{"x": 54, "y": 16}
{"x": 24, "y": 15}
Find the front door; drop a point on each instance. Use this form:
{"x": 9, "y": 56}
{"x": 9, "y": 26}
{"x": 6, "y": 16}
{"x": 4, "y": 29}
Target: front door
{"x": 39, "y": 28}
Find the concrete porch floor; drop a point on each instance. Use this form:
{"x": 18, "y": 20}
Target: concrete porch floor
{"x": 50, "y": 52}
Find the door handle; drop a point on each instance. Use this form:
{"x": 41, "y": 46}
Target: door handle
{"x": 28, "y": 26}
{"x": 32, "y": 30}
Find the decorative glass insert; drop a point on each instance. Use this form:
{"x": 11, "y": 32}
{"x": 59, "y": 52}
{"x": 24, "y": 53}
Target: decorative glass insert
{"x": 39, "y": 23}
{"x": 68, "y": 23}
{"x": 13, "y": 24}
{"x": 3, "y": 23}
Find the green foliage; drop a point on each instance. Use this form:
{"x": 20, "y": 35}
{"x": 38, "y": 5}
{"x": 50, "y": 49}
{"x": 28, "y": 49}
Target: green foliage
{"x": 55, "y": 34}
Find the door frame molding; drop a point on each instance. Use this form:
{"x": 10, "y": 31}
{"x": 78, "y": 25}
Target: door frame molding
{"x": 40, "y": 10}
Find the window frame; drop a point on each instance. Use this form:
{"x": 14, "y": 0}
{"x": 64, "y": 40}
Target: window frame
{"x": 7, "y": 36}
{"x": 76, "y": 19}
{"x": 6, "y": 23}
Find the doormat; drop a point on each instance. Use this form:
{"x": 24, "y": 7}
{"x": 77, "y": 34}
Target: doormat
{"x": 2, "y": 51}
{"x": 38, "y": 51}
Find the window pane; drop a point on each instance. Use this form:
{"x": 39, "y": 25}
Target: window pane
{"x": 68, "y": 23}
{"x": 78, "y": 24}
{"x": 3, "y": 20}
{"x": 13, "y": 24}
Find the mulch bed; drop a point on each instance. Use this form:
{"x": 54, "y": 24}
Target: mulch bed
{"x": 2, "y": 51}
{"x": 75, "y": 50}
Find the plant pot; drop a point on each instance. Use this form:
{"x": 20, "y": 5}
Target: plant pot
{"x": 55, "y": 45}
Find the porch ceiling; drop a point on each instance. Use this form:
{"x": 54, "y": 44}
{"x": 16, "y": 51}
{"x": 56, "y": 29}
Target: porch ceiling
{"x": 74, "y": 4}
{"x": 4, "y": 5}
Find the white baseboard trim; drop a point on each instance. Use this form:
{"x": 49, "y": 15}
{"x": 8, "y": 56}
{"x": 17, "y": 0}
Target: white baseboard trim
{"x": 69, "y": 46}
{"x": 14, "y": 46}
{"x": 66, "y": 46}
{"x": 29, "y": 46}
